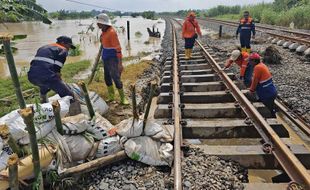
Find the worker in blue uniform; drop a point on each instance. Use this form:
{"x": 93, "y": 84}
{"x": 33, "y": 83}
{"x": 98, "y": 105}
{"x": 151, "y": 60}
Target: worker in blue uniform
{"x": 45, "y": 68}
{"x": 245, "y": 28}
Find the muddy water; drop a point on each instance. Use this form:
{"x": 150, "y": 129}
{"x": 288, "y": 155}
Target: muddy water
{"x": 40, "y": 34}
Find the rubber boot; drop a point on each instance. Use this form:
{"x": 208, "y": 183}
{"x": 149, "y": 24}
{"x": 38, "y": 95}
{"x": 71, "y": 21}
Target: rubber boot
{"x": 124, "y": 101}
{"x": 248, "y": 50}
{"x": 111, "y": 94}
{"x": 75, "y": 108}
{"x": 186, "y": 53}
{"x": 190, "y": 53}
{"x": 43, "y": 99}
{"x": 243, "y": 49}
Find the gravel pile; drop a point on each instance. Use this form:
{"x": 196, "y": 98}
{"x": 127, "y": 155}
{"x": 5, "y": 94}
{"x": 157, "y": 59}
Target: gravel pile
{"x": 199, "y": 170}
{"x": 291, "y": 77}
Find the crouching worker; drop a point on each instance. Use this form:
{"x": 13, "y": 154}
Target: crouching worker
{"x": 112, "y": 58}
{"x": 189, "y": 33}
{"x": 262, "y": 84}
{"x": 45, "y": 71}
{"x": 242, "y": 60}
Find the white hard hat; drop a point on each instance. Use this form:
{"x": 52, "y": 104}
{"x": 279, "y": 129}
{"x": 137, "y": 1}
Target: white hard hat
{"x": 235, "y": 54}
{"x": 103, "y": 19}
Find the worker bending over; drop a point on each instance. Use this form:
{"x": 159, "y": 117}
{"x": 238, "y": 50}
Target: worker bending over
{"x": 262, "y": 84}
{"x": 45, "y": 71}
{"x": 246, "y": 26}
{"x": 242, "y": 60}
{"x": 112, "y": 58}
{"x": 189, "y": 33}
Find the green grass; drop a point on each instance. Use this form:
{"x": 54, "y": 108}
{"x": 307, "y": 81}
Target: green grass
{"x": 7, "y": 87}
{"x": 229, "y": 17}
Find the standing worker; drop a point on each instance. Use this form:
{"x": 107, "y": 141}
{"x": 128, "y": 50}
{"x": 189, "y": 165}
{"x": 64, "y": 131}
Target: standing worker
{"x": 242, "y": 60}
{"x": 112, "y": 58}
{"x": 189, "y": 33}
{"x": 262, "y": 84}
{"x": 245, "y": 28}
{"x": 45, "y": 71}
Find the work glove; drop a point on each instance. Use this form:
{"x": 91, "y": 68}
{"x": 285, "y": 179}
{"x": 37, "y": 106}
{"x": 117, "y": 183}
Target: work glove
{"x": 236, "y": 36}
{"x": 253, "y": 37}
{"x": 120, "y": 66}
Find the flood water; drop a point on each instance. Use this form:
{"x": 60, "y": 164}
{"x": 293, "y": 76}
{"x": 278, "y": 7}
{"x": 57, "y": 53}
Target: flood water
{"x": 40, "y": 34}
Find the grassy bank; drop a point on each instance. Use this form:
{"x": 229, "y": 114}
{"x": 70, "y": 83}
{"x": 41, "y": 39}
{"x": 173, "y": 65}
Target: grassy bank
{"x": 129, "y": 76}
{"x": 277, "y": 13}
{"x": 7, "y": 87}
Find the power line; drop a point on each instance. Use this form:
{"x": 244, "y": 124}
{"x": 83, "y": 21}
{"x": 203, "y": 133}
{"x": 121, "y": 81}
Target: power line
{"x": 92, "y": 5}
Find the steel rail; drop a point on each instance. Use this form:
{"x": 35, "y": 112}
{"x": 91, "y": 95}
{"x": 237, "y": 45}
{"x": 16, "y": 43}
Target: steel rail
{"x": 176, "y": 114}
{"x": 276, "y": 28}
{"x": 294, "y": 39}
{"x": 297, "y": 120}
{"x": 289, "y": 162}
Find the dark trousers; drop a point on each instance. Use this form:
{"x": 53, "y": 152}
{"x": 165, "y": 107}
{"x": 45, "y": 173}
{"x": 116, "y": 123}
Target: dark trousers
{"x": 269, "y": 103}
{"x": 111, "y": 72}
{"x": 189, "y": 43}
{"x": 245, "y": 39}
{"x": 51, "y": 83}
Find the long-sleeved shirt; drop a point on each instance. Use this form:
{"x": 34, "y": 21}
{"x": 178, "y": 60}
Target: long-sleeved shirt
{"x": 242, "y": 63}
{"x": 52, "y": 56}
{"x": 110, "y": 44}
{"x": 246, "y": 26}
{"x": 190, "y": 28}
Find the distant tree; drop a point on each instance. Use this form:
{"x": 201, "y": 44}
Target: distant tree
{"x": 18, "y": 10}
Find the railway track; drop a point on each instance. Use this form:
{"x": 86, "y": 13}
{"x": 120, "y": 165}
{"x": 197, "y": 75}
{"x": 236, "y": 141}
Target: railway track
{"x": 290, "y": 35}
{"x": 204, "y": 102}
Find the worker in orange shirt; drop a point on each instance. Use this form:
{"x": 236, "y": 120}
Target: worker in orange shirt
{"x": 112, "y": 58}
{"x": 242, "y": 60}
{"x": 189, "y": 33}
{"x": 262, "y": 84}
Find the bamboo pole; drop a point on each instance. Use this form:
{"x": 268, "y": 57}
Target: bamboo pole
{"x": 148, "y": 106}
{"x": 94, "y": 164}
{"x": 87, "y": 99}
{"x": 56, "y": 110}
{"x": 27, "y": 114}
{"x": 13, "y": 171}
{"x": 13, "y": 72}
{"x": 95, "y": 66}
{"x": 6, "y": 135}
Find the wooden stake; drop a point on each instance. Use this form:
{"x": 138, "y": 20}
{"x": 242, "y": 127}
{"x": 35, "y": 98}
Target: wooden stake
{"x": 134, "y": 102}
{"x": 13, "y": 171}
{"x": 27, "y": 114}
{"x": 87, "y": 99}
{"x": 56, "y": 110}
{"x": 95, "y": 66}
{"x": 94, "y": 164}
{"x": 13, "y": 72}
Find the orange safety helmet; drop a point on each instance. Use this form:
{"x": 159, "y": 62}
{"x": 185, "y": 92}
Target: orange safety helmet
{"x": 192, "y": 13}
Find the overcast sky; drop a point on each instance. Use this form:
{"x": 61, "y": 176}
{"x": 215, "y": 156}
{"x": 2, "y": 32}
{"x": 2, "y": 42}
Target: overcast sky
{"x": 142, "y": 5}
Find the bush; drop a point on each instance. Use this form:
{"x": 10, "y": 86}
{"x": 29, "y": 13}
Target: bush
{"x": 269, "y": 16}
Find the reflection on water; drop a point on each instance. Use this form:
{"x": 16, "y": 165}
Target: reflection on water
{"x": 40, "y": 34}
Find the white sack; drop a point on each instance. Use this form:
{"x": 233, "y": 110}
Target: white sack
{"x": 108, "y": 146}
{"x": 149, "y": 151}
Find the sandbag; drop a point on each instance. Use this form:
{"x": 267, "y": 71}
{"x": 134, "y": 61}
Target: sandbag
{"x": 98, "y": 103}
{"x": 163, "y": 133}
{"x": 6, "y": 151}
{"x": 108, "y": 146}
{"x": 129, "y": 130}
{"x": 149, "y": 151}
{"x": 98, "y": 127}
{"x": 43, "y": 120}
{"x": 25, "y": 166}
{"x": 79, "y": 146}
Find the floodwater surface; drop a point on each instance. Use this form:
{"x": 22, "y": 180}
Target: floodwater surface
{"x": 39, "y": 34}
